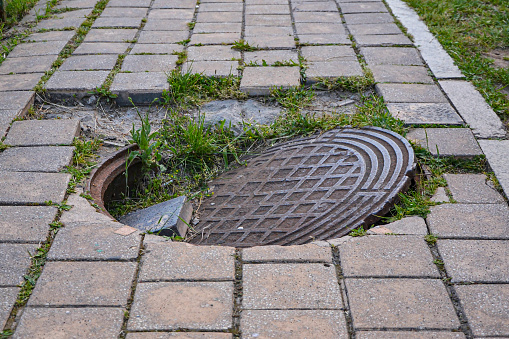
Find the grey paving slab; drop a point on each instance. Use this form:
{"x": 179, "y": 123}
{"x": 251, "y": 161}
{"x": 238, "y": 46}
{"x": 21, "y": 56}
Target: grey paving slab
{"x": 383, "y": 40}
{"x": 124, "y": 12}
{"x": 409, "y": 226}
{"x": 401, "y": 74}
{"x": 176, "y": 305}
{"x": 117, "y": 22}
{"x": 226, "y": 7}
{"x": 368, "y": 18}
{"x": 180, "y": 261}
{"x": 89, "y": 62}
{"x": 89, "y": 322}
{"x": 8, "y": 296}
{"x": 331, "y": 70}
{"x": 212, "y": 53}
{"x": 497, "y": 153}
{"x": 259, "y": 80}
{"x": 110, "y": 35}
{"x": 43, "y": 132}
{"x": 425, "y": 113}
{"x": 20, "y": 188}
{"x": 101, "y": 48}
{"x": 175, "y": 4}
{"x": 318, "y": 17}
{"x": 374, "y": 29}
{"x": 156, "y": 49}
{"x": 391, "y": 56}
{"x": 301, "y": 253}
{"x": 19, "y": 101}
{"x": 290, "y": 286}
{"x": 214, "y": 38}
{"x": 266, "y": 20}
{"x": 166, "y": 25}
{"x": 171, "y": 14}
{"x": 36, "y": 159}
{"x": 328, "y": 53}
{"x": 363, "y": 7}
{"x": 293, "y": 323}
{"x": 270, "y": 57}
{"x": 6, "y": 117}
{"x": 179, "y": 335}
{"x": 34, "y": 64}
{"x": 207, "y": 27}
{"x": 472, "y": 189}
{"x": 319, "y": 28}
{"x": 413, "y": 303}
{"x": 82, "y": 211}
{"x": 16, "y": 259}
{"x": 475, "y": 260}
{"x": 129, "y": 3}
{"x": 84, "y": 283}
{"x": 51, "y": 36}
{"x": 266, "y": 30}
{"x": 409, "y": 335}
{"x": 314, "y": 6}
{"x": 67, "y": 23}
{"x": 25, "y": 223}
{"x": 149, "y": 63}
{"x": 156, "y": 37}
{"x": 19, "y": 82}
{"x": 212, "y": 68}
{"x": 457, "y": 142}
{"x": 142, "y": 88}
{"x": 94, "y": 241}
{"x": 37, "y": 48}
{"x": 410, "y": 93}
{"x": 471, "y": 106}
{"x": 76, "y": 4}
{"x": 486, "y": 308}
{"x": 284, "y": 41}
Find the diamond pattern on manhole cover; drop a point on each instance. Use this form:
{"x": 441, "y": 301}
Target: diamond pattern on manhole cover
{"x": 313, "y": 188}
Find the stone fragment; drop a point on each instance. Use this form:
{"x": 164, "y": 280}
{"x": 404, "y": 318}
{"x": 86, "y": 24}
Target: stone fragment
{"x": 379, "y": 230}
{"x": 81, "y": 283}
{"x": 456, "y": 142}
{"x": 82, "y": 211}
{"x": 149, "y": 63}
{"x": 25, "y": 223}
{"x": 290, "y": 286}
{"x": 8, "y": 297}
{"x": 36, "y": 159}
{"x": 157, "y": 49}
{"x": 409, "y": 226}
{"x": 212, "y": 68}
{"x": 401, "y": 74}
{"x": 440, "y": 196}
{"x": 110, "y": 35}
{"x": 89, "y": 62}
{"x": 413, "y": 303}
{"x": 101, "y": 48}
{"x": 366, "y": 7}
{"x": 475, "y": 260}
{"x": 117, "y": 22}
{"x": 368, "y": 18}
{"x": 43, "y": 132}
{"x": 32, "y": 64}
{"x": 16, "y": 258}
{"x": 37, "y": 49}
{"x": 472, "y": 189}
{"x": 410, "y": 93}
{"x": 409, "y": 335}
{"x": 142, "y": 88}
{"x": 425, "y": 113}
{"x": 159, "y": 37}
{"x": 259, "y": 80}
{"x": 182, "y": 261}
{"x": 497, "y": 153}
{"x": 214, "y": 38}
{"x": 270, "y": 57}
{"x": 21, "y": 188}
{"x": 212, "y": 53}
{"x": 176, "y": 305}
{"x": 391, "y": 56}
{"x": 19, "y": 82}
{"x": 300, "y": 253}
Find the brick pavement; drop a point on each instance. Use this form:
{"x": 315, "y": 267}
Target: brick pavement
{"x": 99, "y": 283}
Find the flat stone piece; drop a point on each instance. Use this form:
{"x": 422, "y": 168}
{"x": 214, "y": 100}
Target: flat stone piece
{"x": 319, "y": 17}
{"x": 25, "y": 223}
{"x": 368, "y": 18}
{"x": 471, "y": 106}
{"x": 260, "y": 80}
{"x": 84, "y": 283}
{"x": 179, "y": 335}
{"x": 425, "y": 113}
{"x": 266, "y": 30}
{"x": 290, "y": 286}
{"x": 312, "y": 6}
{"x": 20, "y": 188}
{"x": 266, "y": 9}
{"x": 457, "y": 142}
{"x": 212, "y": 53}
{"x": 226, "y": 7}
{"x": 51, "y": 36}
{"x": 486, "y": 307}
{"x": 214, "y": 38}
{"x": 172, "y": 14}
{"x": 43, "y": 132}
{"x": 285, "y": 41}
{"x": 142, "y": 88}
{"x": 440, "y": 195}
{"x": 149, "y": 63}
{"x": 409, "y": 335}
{"x": 328, "y": 53}
{"x": 497, "y": 153}
{"x": 76, "y": 4}
{"x": 391, "y": 56}
{"x": 17, "y": 101}
{"x": 481, "y": 221}
{"x": 293, "y": 324}
{"x": 300, "y": 253}
{"x": 175, "y": 4}
{"x": 117, "y": 22}
{"x": 159, "y": 37}
{"x": 472, "y": 189}
{"x": 212, "y": 68}
{"x": 89, "y": 62}
{"x": 34, "y": 64}
{"x": 331, "y": 70}
{"x": 66, "y": 23}
{"x": 306, "y": 189}
{"x": 182, "y": 261}
{"x": 37, "y": 48}
{"x": 16, "y": 258}
{"x": 408, "y": 225}
{"x": 101, "y": 48}
{"x": 129, "y": 3}
{"x": 176, "y": 305}
{"x": 319, "y": 28}
{"x": 156, "y": 49}
{"x": 270, "y": 57}
{"x": 8, "y": 296}
{"x": 366, "y": 7}
{"x": 410, "y": 93}
{"x": 166, "y": 25}
{"x": 266, "y": 20}
{"x": 374, "y": 29}
{"x": 110, "y": 35}
{"x": 208, "y": 27}
{"x": 90, "y": 322}
{"x": 19, "y": 82}
{"x": 36, "y": 159}
{"x": 83, "y": 212}
{"x": 475, "y": 260}
{"x": 383, "y": 40}
{"x": 324, "y": 39}
{"x": 401, "y": 74}
{"x": 127, "y": 12}
{"x": 413, "y": 303}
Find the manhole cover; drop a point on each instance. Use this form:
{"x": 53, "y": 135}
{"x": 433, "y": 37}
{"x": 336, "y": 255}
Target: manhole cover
{"x": 319, "y": 187}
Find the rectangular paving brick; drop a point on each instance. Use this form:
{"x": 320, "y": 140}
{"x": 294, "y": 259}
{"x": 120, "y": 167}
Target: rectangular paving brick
{"x": 179, "y": 335}
{"x": 19, "y": 82}
{"x": 270, "y": 57}
{"x": 260, "y": 80}
{"x": 457, "y": 142}
{"x": 129, "y": 3}
{"x": 43, "y": 132}
{"x": 36, "y": 159}
{"x": 383, "y": 40}
{"x": 149, "y": 63}
{"x": 156, "y": 49}
{"x": 409, "y": 335}
{"x": 265, "y": 30}
{"x": 142, "y": 88}
{"x": 324, "y": 39}
{"x": 313, "y": 6}
{"x": 16, "y": 259}
{"x": 76, "y": 4}
{"x": 182, "y": 305}
{"x": 8, "y": 296}
{"x": 400, "y": 303}
{"x": 175, "y": 4}
{"x": 101, "y": 48}
{"x": 331, "y": 70}
{"x": 366, "y": 7}
{"x": 318, "y": 28}
{"x": 293, "y": 323}
{"x": 318, "y": 17}
{"x": 224, "y": 7}
{"x": 89, "y": 322}
{"x": 66, "y": 23}
{"x": 6, "y": 118}
{"x": 301, "y": 253}
{"x": 110, "y": 35}
{"x": 387, "y": 256}
{"x": 18, "y": 101}
{"x": 171, "y": 14}
{"x": 401, "y": 74}
{"x": 25, "y": 223}
{"x": 180, "y": 261}
{"x": 212, "y": 53}
{"x": 472, "y": 189}
{"x": 126, "y": 12}
{"x": 475, "y": 260}
{"x": 84, "y": 283}
{"x": 21, "y": 188}
{"x": 265, "y": 20}
{"x": 391, "y": 56}
{"x": 425, "y": 113}
{"x": 208, "y": 27}
{"x": 51, "y": 36}
{"x": 89, "y": 62}
{"x": 166, "y": 25}
{"x": 289, "y": 286}
{"x": 37, "y": 48}
{"x": 374, "y": 29}
{"x": 156, "y": 37}
{"x": 408, "y": 225}
{"x": 410, "y": 93}
{"x": 368, "y": 18}
{"x": 212, "y": 68}
{"x": 497, "y": 154}
{"x": 284, "y": 41}
{"x": 117, "y": 22}
{"x": 328, "y": 53}
{"x": 214, "y": 38}
{"x": 31, "y": 64}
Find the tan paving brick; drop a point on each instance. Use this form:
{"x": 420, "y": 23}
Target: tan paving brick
{"x": 37, "y": 48}
{"x": 171, "y": 14}
{"x": 391, "y": 56}
{"x": 157, "y": 48}
{"x": 166, "y": 25}
{"x": 214, "y": 38}
{"x": 101, "y": 48}
{"x": 301, "y": 253}
{"x": 383, "y": 40}
{"x": 8, "y": 296}
{"x": 401, "y": 74}
{"x": 16, "y": 258}
{"x": 25, "y": 223}
{"x": 408, "y": 225}
{"x": 110, "y": 35}
{"x": 89, "y": 62}
{"x": 284, "y": 41}
{"x": 159, "y": 37}
{"x": 117, "y": 23}
{"x": 219, "y": 17}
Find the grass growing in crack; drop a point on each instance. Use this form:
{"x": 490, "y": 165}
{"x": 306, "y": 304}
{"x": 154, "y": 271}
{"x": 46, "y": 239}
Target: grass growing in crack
{"x": 82, "y": 161}
{"x": 352, "y": 84}
{"x": 358, "y": 232}
{"x": 242, "y": 45}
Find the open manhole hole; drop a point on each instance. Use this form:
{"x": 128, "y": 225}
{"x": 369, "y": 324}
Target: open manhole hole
{"x": 315, "y": 188}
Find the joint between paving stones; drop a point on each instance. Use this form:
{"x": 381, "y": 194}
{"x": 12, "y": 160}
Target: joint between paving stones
{"x": 336, "y": 261}
{"x": 237, "y": 294}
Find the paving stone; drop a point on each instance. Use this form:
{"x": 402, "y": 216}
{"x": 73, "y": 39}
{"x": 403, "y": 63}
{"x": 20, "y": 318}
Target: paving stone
{"x": 212, "y": 68}
{"x": 19, "y": 82}
{"x": 214, "y": 38}
{"x": 259, "y": 80}
{"x": 403, "y": 303}
{"x": 410, "y": 93}
{"x": 383, "y": 40}
{"x": 51, "y": 36}
{"x": 36, "y": 159}
{"x": 179, "y": 335}
{"x": 19, "y": 188}
{"x": 366, "y": 7}
{"x": 8, "y": 296}
{"x": 313, "y": 6}
{"x": 318, "y": 17}
{"x": 6, "y": 117}
{"x": 25, "y": 223}
{"x": 117, "y": 22}
{"x": 175, "y": 4}
{"x": 330, "y": 70}
{"x": 472, "y": 189}
{"x": 76, "y": 4}
{"x": 270, "y": 57}
{"x": 18, "y": 101}
{"x": 66, "y": 23}
{"x": 156, "y": 37}
{"x": 37, "y": 48}
{"x": 76, "y": 81}
{"x": 391, "y": 56}
{"x": 374, "y": 29}
{"x": 129, "y": 3}
{"x": 324, "y": 39}
{"x": 15, "y": 262}
{"x": 425, "y": 113}
{"x": 212, "y": 53}
{"x": 84, "y": 283}
{"x": 300, "y": 253}
{"x": 475, "y": 260}
{"x": 472, "y": 107}
{"x": 33, "y": 64}
{"x": 497, "y": 154}
{"x": 389, "y": 256}
{"x": 43, "y": 132}
{"x": 156, "y": 49}
{"x": 257, "y": 2}
{"x": 265, "y": 20}
{"x": 409, "y": 335}
{"x": 269, "y": 41}
{"x": 225, "y": 7}
{"x": 101, "y": 48}
{"x": 440, "y": 196}
{"x": 110, "y": 35}
{"x": 486, "y": 308}
{"x": 89, "y": 62}
{"x": 142, "y": 88}
{"x": 172, "y": 14}
{"x": 207, "y": 27}
{"x": 457, "y": 142}
{"x": 408, "y": 225}
{"x": 127, "y": 12}
{"x": 166, "y": 25}
{"x": 293, "y": 324}
{"x": 149, "y": 63}
{"x": 265, "y": 30}
{"x": 328, "y": 53}
{"x": 267, "y": 9}
{"x": 289, "y": 286}
{"x": 401, "y": 74}
{"x": 66, "y": 322}
{"x": 368, "y": 18}
{"x": 177, "y": 305}
{"x": 319, "y": 28}
{"x": 182, "y": 261}
{"x": 82, "y": 211}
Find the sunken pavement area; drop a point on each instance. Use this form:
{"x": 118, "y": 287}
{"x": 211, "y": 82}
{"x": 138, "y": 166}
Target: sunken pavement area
{"x": 99, "y": 282}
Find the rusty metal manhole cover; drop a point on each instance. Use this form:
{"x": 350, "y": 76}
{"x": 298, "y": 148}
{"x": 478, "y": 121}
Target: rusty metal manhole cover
{"x": 319, "y": 187}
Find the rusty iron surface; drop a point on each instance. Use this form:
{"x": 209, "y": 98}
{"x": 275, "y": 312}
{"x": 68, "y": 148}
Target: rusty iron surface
{"x": 315, "y": 188}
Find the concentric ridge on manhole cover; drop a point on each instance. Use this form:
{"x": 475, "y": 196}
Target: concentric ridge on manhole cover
{"x": 308, "y": 189}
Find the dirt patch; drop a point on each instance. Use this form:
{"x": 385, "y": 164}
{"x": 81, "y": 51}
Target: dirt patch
{"x": 500, "y": 57}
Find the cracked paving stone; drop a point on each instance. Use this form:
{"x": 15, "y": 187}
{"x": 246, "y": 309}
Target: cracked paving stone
{"x": 212, "y": 68}
{"x": 149, "y": 63}
{"x": 36, "y": 159}
{"x": 19, "y": 82}
{"x": 259, "y": 80}
{"x": 16, "y": 258}
{"x": 37, "y": 48}
{"x": 300, "y": 253}
{"x": 142, "y": 88}
{"x": 89, "y": 62}
{"x": 456, "y": 142}
{"x": 26, "y": 223}
{"x": 410, "y": 93}
{"x": 463, "y": 185}
{"x": 110, "y": 35}
{"x": 33, "y": 64}
{"x": 425, "y": 113}
{"x": 43, "y": 132}
{"x": 392, "y": 56}
{"x": 8, "y": 296}
{"x": 409, "y": 335}
{"x": 19, "y": 188}
{"x": 101, "y": 48}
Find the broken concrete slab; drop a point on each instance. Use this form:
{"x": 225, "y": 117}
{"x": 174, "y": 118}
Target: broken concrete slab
{"x": 497, "y": 153}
